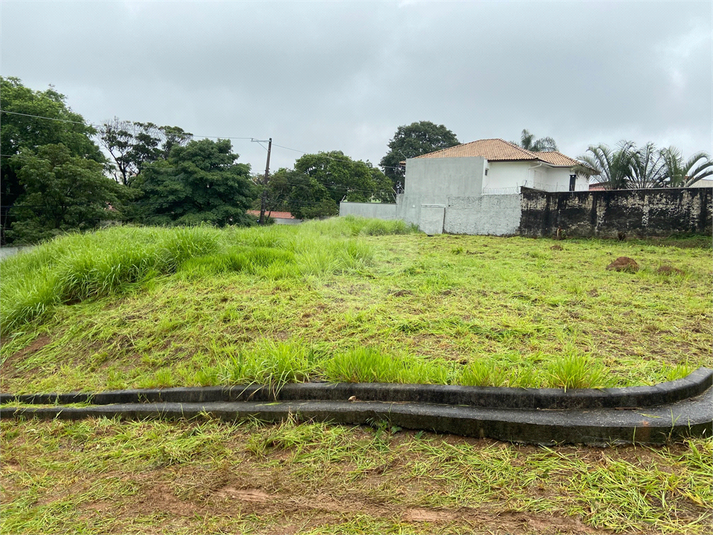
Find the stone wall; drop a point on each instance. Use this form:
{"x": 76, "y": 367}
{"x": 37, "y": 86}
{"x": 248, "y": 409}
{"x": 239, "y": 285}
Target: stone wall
{"x": 648, "y": 212}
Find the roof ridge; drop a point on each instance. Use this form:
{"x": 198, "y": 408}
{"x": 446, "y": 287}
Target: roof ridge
{"x": 446, "y": 148}
{"x": 518, "y": 147}
{"x": 498, "y": 149}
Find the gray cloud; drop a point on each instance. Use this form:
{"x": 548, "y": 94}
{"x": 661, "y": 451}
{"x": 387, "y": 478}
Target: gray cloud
{"x": 344, "y": 75}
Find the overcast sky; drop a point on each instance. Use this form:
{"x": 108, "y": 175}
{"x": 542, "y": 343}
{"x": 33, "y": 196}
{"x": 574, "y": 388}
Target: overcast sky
{"x": 321, "y": 76}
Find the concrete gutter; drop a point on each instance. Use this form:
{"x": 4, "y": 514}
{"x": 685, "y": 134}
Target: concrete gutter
{"x": 648, "y": 415}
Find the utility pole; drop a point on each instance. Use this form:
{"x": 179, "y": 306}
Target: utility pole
{"x": 263, "y": 197}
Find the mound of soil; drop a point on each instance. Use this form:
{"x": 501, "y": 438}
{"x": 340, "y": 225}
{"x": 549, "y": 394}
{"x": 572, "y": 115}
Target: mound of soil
{"x": 669, "y": 270}
{"x": 624, "y": 263}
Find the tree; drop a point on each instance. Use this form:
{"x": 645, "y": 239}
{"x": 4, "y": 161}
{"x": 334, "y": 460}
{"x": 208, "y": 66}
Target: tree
{"x": 319, "y": 182}
{"x": 682, "y": 174}
{"x": 199, "y": 182}
{"x": 61, "y": 192}
{"x": 646, "y": 167}
{"x": 308, "y": 198}
{"x": 610, "y": 168}
{"x": 277, "y": 191}
{"x": 528, "y": 142}
{"x": 414, "y": 140}
{"x": 132, "y": 145}
{"x": 30, "y": 120}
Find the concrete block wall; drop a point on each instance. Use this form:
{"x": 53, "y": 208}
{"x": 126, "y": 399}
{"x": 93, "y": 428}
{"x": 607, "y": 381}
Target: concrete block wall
{"x": 373, "y": 210}
{"x": 496, "y": 215}
{"x": 431, "y": 220}
{"x": 644, "y": 212}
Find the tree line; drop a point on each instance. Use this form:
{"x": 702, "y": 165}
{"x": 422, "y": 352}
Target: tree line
{"x": 61, "y": 174}
{"x": 56, "y": 177}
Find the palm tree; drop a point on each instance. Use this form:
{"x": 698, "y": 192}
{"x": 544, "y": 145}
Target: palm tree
{"x": 680, "y": 174}
{"x": 612, "y": 168}
{"x": 528, "y": 142}
{"x": 646, "y": 167}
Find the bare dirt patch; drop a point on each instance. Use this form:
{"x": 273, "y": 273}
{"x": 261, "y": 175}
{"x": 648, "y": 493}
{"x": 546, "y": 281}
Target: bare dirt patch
{"x": 9, "y": 365}
{"x": 428, "y": 515}
{"x": 244, "y": 495}
{"x": 669, "y": 270}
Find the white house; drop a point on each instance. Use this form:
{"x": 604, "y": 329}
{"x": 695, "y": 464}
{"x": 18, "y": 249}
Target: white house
{"x": 509, "y": 167}
{"x": 473, "y": 188}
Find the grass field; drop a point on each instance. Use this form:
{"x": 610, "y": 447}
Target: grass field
{"x": 344, "y": 300}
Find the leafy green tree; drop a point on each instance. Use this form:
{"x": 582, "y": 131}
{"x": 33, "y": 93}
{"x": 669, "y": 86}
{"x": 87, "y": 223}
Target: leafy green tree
{"x": 414, "y": 140}
{"x": 132, "y": 145}
{"x": 277, "y": 191}
{"x": 199, "y": 182}
{"x": 319, "y": 182}
{"x": 678, "y": 173}
{"x": 61, "y": 192}
{"x": 383, "y": 188}
{"x": 528, "y": 142}
{"x": 309, "y": 198}
{"x": 24, "y": 127}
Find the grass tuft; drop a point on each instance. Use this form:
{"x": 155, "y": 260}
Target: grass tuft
{"x": 484, "y": 372}
{"x": 370, "y": 365}
{"x": 270, "y": 363}
{"x": 577, "y": 371}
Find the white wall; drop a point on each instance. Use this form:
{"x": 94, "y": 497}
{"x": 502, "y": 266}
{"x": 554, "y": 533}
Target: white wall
{"x": 505, "y": 177}
{"x": 704, "y": 183}
{"x": 558, "y": 180}
{"x": 373, "y": 210}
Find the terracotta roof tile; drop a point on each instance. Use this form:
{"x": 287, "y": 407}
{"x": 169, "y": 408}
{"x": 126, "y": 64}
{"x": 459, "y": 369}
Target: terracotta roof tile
{"x": 500, "y": 150}
{"x": 556, "y": 158}
{"x": 274, "y": 215}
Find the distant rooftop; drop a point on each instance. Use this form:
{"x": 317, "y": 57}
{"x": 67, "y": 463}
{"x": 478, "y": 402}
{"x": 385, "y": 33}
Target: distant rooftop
{"x": 274, "y": 215}
{"x": 499, "y": 150}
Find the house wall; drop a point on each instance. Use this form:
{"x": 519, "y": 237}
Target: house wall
{"x": 508, "y": 177}
{"x": 430, "y": 182}
{"x": 647, "y": 212}
{"x": 558, "y": 179}
{"x": 433, "y": 180}
{"x": 505, "y": 177}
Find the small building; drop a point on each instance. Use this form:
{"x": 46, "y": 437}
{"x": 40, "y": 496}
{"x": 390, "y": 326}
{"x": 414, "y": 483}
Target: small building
{"x": 473, "y": 188}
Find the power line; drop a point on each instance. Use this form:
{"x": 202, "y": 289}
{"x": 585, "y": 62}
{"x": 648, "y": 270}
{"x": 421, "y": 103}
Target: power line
{"x": 241, "y": 138}
{"x": 100, "y": 125}
{"x": 48, "y": 118}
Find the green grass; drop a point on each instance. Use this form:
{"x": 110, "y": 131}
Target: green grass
{"x": 348, "y": 299}
{"x": 343, "y": 300}
{"x": 216, "y": 477}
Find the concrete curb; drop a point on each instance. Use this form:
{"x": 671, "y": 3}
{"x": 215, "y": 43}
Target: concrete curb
{"x": 656, "y": 425}
{"x": 484, "y": 397}
{"x": 673, "y": 410}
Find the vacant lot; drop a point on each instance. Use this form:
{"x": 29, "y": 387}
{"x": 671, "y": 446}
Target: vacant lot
{"x": 344, "y": 300}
